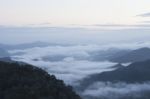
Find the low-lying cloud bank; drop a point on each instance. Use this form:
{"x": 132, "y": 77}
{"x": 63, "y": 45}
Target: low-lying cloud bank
{"x": 77, "y": 52}
{"x": 72, "y": 63}
{"x": 121, "y": 90}
{"x": 69, "y": 63}
{"x": 71, "y": 70}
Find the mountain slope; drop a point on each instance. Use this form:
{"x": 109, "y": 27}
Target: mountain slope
{"x": 108, "y": 54}
{"x": 4, "y": 55}
{"x": 29, "y": 82}
{"x": 25, "y": 46}
{"x": 141, "y": 54}
{"x": 137, "y": 72}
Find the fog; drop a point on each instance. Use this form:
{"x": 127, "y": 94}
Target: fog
{"x": 72, "y": 35}
{"x": 76, "y": 53}
{"x": 120, "y": 90}
{"x": 74, "y": 62}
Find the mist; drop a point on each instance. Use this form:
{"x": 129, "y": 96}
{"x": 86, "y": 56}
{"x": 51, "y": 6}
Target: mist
{"x": 69, "y": 63}
{"x": 75, "y": 62}
{"x": 99, "y": 49}
{"x": 72, "y": 54}
{"x": 71, "y": 35}
{"x": 120, "y": 90}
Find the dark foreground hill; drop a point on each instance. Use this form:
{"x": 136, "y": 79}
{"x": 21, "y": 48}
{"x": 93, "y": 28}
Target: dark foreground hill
{"x": 29, "y": 82}
{"x": 137, "y": 72}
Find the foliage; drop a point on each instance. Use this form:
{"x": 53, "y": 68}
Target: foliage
{"x": 28, "y": 82}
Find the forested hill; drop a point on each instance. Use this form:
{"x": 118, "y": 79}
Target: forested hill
{"x": 29, "y": 82}
{"x": 137, "y": 72}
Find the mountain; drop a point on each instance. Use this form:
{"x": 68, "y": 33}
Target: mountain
{"x": 107, "y": 54}
{"x": 137, "y": 72}
{"x": 30, "y": 45}
{"x": 25, "y": 46}
{"x": 118, "y": 66}
{"x": 4, "y": 55}
{"x": 53, "y": 58}
{"x": 141, "y": 54}
{"x": 5, "y": 59}
{"x": 23, "y": 81}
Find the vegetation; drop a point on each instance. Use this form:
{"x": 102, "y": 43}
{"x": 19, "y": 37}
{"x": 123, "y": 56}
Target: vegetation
{"x": 28, "y": 82}
{"x": 137, "y": 72}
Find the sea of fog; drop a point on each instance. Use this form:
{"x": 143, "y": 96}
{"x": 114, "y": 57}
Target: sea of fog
{"x": 71, "y": 63}
{"x": 120, "y": 90}
{"x": 74, "y": 62}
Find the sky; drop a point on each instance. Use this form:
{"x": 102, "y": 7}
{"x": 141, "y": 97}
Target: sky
{"x": 74, "y": 21}
{"x": 73, "y": 12}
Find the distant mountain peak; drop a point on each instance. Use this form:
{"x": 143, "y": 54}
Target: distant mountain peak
{"x": 141, "y": 54}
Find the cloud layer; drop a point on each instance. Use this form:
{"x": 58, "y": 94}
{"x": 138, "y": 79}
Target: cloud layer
{"x": 72, "y": 63}
{"x": 145, "y": 15}
{"x": 121, "y": 90}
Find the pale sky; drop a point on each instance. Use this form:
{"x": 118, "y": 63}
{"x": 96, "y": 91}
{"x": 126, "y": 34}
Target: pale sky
{"x": 73, "y": 12}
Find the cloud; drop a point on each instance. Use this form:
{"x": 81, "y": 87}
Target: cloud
{"x": 69, "y": 63}
{"x": 144, "y": 15}
{"x": 73, "y": 35}
{"x": 115, "y": 26}
{"x": 39, "y": 24}
{"x": 74, "y": 62}
{"x": 121, "y": 25}
{"x": 121, "y": 90}
{"x": 145, "y": 22}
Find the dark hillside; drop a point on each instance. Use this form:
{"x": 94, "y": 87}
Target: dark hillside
{"x": 137, "y": 72}
{"x": 29, "y": 82}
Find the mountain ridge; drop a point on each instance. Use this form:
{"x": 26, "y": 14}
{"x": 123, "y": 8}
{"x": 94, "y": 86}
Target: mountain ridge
{"x": 29, "y": 82}
{"x": 137, "y": 55}
{"x": 137, "y": 72}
